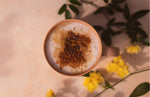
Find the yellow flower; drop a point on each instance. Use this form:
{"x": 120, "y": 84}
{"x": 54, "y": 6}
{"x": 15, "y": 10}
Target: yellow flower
{"x": 91, "y": 86}
{"x": 133, "y": 49}
{"x": 93, "y": 81}
{"x": 50, "y": 93}
{"x": 118, "y": 66}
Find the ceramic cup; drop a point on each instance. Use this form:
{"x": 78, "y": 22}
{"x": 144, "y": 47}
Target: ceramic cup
{"x": 103, "y": 50}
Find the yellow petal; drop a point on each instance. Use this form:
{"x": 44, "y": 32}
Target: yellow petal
{"x": 50, "y": 93}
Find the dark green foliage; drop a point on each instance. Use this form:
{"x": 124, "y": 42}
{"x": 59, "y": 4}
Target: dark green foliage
{"x": 74, "y": 9}
{"x": 141, "y": 89}
{"x": 107, "y": 84}
{"x": 68, "y": 15}
{"x": 62, "y": 9}
{"x": 126, "y": 12}
{"x": 106, "y": 37}
{"x": 106, "y": 1}
{"x": 76, "y": 2}
{"x": 99, "y": 10}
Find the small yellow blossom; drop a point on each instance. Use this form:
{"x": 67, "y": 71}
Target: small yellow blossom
{"x": 133, "y": 49}
{"x": 93, "y": 81}
{"x": 118, "y": 66}
{"x": 50, "y": 93}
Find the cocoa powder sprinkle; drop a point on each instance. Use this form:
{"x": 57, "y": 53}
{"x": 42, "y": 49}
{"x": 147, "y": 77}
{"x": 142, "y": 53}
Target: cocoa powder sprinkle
{"x": 74, "y": 51}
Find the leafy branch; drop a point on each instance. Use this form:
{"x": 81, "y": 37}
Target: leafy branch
{"x": 67, "y": 7}
{"x": 138, "y": 93}
{"x": 131, "y": 26}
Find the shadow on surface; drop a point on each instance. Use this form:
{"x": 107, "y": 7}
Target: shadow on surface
{"x": 135, "y": 59}
{"x": 6, "y": 42}
{"x": 119, "y": 94}
{"x": 107, "y": 76}
{"x": 92, "y": 94}
{"x": 68, "y": 89}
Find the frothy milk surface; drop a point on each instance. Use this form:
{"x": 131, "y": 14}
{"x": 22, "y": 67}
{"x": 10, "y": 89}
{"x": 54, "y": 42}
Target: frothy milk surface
{"x": 53, "y": 47}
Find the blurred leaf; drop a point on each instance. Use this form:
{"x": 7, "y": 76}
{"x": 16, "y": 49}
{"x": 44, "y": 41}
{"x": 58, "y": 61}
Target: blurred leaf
{"x": 98, "y": 28}
{"x": 109, "y": 10}
{"x": 107, "y": 84}
{"x": 74, "y": 9}
{"x": 111, "y": 31}
{"x": 126, "y": 12}
{"x": 141, "y": 89}
{"x": 147, "y": 43}
{"x": 118, "y": 1}
{"x": 106, "y": 38}
{"x": 131, "y": 33}
{"x": 114, "y": 33}
{"x": 62, "y": 9}
{"x": 119, "y": 24}
{"x": 106, "y": 1}
{"x": 68, "y": 15}
{"x": 144, "y": 41}
{"x": 139, "y": 14}
{"x": 116, "y": 7}
{"x": 88, "y": 74}
{"x": 118, "y": 32}
{"x": 99, "y": 10}
{"x": 75, "y": 2}
{"x": 142, "y": 32}
{"x": 136, "y": 23}
{"x": 133, "y": 23}
{"x": 110, "y": 22}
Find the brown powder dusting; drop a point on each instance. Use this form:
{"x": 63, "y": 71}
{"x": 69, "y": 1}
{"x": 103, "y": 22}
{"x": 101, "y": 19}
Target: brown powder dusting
{"x": 74, "y": 51}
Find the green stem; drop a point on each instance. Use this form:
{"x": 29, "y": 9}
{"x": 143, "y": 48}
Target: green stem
{"x": 122, "y": 80}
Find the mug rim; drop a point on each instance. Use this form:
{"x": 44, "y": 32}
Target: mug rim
{"x": 93, "y": 31}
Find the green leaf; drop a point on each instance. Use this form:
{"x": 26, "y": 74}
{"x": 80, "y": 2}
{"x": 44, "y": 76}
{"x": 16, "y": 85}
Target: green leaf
{"x": 106, "y": 1}
{"x": 110, "y": 22}
{"x": 98, "y": 28}
{"x": 106, "y": 38}
{"x": 119, "y": 24}
{"x": 141, "y": 89}
{"x": 107, "y": 84}
{"x": 62, "y": 9}
{"x": 99, "y": 10}
{"x": 139, "y": 14}
{"x": 75, "y": 2}
{"x": 88, "y": 74}
{"x": 141, "y": 31}
{"x": 68, "y": 15}
{"x": 118, "y": 1}
{"x": 116, "y": 7}
{"x": 126, "y": 12}
{"x": 109, "y": 10}
{"x": 74, "y": 9}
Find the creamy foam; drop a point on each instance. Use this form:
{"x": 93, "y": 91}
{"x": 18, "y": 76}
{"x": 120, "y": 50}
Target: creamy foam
{"x": 53, "y": 46}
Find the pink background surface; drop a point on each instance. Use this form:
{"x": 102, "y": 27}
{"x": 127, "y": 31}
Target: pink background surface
{"x": 24, "y": 71}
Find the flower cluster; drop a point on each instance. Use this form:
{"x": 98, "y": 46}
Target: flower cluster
{"x": 133, "y": 49}
{"x": 93, "y": 81}
{"x": 118, "y": 66}
{"x": 50, "y": 93}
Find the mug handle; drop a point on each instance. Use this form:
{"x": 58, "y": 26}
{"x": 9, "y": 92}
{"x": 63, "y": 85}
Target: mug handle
{"x": 110, "y": 51}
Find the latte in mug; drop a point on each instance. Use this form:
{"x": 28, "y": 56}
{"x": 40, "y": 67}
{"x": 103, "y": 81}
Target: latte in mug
{"x": 72, "y": 47}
